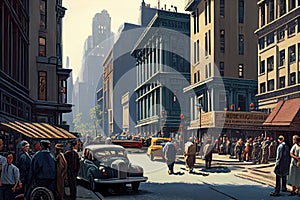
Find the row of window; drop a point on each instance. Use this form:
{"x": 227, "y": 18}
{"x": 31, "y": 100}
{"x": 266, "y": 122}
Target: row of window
{"x": 14, "y": 107}
{"x": 281, "y": 31}
{"x": 208, "y": 71}
{"x": 281, "y": 82}
{"x": 282, "y": 58}
{"x": 267, "y": 10}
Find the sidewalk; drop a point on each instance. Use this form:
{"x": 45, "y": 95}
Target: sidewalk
{"x": 262, "y": 173}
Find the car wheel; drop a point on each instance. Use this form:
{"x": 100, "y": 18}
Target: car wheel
{"x": 92, "y": 183}
{"x": 135, "y": 186}
{"x": 41, "y": 193}
{"x": 151, "y": 156}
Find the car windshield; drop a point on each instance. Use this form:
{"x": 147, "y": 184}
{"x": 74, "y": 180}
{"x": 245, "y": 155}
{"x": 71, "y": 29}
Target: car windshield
{"x": 109, "y": 153}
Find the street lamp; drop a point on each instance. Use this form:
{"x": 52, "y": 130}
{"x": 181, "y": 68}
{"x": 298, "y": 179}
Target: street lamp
{"x": 200, "y": 107}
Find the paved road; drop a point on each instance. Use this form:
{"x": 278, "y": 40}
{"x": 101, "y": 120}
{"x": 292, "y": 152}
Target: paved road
{"x": 217, "y": 183}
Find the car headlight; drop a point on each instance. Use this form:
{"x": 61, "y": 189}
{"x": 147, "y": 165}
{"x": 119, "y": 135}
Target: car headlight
{"x": 102, "y": 170}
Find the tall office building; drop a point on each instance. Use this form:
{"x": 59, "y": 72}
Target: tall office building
{"x": 223, "y": 66}
{"x": 96, "y": 47}
{"x": 279, "y": 63}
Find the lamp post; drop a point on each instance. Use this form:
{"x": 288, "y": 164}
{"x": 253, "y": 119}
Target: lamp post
{"x": 200, "y": 107}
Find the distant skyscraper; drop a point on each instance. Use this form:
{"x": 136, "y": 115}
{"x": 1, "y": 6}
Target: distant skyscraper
{"x": 95, "y": 49}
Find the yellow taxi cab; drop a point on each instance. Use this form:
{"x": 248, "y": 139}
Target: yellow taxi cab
{"x": 156, "y": 146}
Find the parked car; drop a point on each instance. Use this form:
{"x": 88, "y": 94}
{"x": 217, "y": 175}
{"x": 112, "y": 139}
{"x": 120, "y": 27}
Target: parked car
{"x": 155, "y": 149}
{"x": 109, "y": 164}
{"x": 135, "y": 142}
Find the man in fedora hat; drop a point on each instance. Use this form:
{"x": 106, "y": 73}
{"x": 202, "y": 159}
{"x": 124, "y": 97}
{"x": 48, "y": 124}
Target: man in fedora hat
{"x": 24, "y": 163}
{"x": 281, "y": 166}
{"x": 61, "y": 164}
{"x": 42, "y": 171}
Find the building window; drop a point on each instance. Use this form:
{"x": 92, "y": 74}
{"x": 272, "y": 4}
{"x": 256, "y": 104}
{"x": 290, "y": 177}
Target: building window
{"x": 291, "y": 28}
{"x": 298, "y": 21}
{"x": 209, "y": 43}
{"x": 241, "y": 44}
{"x": 262, "y": 14}
{"x": 262, "y": 67}
{"x": 206, "y": 44}
{"x": 222, "y": 68}
{"x": 292, "y": 4}
{"x": 282, "y": 82}
{"x": 271, "y": 6}
{"x": 42, "y": 46}
{"x": 209, "y": 11}
{"x": 262, "y": 87}
{"x": 222, "y": 41}
{"x": 241, "y": 71}
{"x": 241, "y": 11}
{"x": 222, "y": 8}
{"x": 292, "y": 54}
{"x": 42, "y": 93}
{"x": 280, "y": 33}
{"x": 270, "y": 63}
{"x": 281, "y": 57}
{"x": 205, "y": 12}
{"x": 271, "y": 85}
{"x": 43, "y": 14}
{"x": 261, "y": 43}
{"x": 270, "y": 38}
{"x": 282, "y": 7}
{"x": 195, "y": 52}
{"x": 293, "y": 78}
{"x": 242, "y": 102}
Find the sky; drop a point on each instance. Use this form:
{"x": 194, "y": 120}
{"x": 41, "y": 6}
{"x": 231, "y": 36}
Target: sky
{"x": 77, "y": 22}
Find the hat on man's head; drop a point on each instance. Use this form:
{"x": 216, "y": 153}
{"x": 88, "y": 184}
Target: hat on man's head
{"x": 59, "y": 146}
{"x": 280, "y": 137}
{"x": 45, "y": 143}
{"x": 23, "y": 143}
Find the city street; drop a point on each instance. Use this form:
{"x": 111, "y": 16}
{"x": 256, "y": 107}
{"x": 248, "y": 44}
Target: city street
{"x": 217, "y": 183}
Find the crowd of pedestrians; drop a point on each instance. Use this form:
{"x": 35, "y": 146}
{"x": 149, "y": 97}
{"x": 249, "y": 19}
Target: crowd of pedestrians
{"x": 42, "y": 169}
{"x": 259, "y": 150}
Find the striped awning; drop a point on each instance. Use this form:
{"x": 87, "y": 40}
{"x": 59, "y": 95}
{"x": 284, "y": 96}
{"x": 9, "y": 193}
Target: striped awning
{"x": 38, "y": 130}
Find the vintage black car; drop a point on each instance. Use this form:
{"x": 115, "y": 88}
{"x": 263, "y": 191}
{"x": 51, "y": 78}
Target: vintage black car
{"x": 109, "y": 164}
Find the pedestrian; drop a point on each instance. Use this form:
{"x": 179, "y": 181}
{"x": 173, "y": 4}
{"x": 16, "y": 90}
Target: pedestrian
{"x": 239, "y": 149}
{"x": 61, "y": 164}
{"x": 73, "y": 167}
{"x": 10, "y": 177}
{"x": 42, "y": 172}
{"x": 265, "y": 151}
{"x": 190, "y": 154}
{"x": 294, "y": 176}
{"x": 169, "y": 152}
{"x": 208, "y": 153}
{"x": 281, "y": 166}
{"x": 24, "y": 163}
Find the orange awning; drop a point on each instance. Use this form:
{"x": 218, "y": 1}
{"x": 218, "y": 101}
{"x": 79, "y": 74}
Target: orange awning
{"x": 38, "y": 130}
{"x": 284, "y": 113}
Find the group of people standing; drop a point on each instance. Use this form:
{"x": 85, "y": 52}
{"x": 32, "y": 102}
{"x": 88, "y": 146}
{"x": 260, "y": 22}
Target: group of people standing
{"x": 43, "y": 169}
{"x": 287, "y": 167}
{"x": 190, "y": 152}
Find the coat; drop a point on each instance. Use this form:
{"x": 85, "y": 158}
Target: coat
{"x": 283, "y": 160}
{"x": 169, "y": 151}
{"x": 24, "y": 166}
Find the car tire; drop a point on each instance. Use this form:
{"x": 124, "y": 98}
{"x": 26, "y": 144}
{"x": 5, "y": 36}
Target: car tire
{"x": 92, "y": 183}
{"x": 41, "y": 193}
{"x": 135, "y": 186}
{"x": 151, "y": 156}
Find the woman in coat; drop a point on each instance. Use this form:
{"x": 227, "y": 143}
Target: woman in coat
{"x": 294, "y": 176}
{"x": 61, "y": 170}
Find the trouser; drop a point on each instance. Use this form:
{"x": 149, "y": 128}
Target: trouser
{"x": 171, "y": 167}
{"x": 278, "y": 183}
{"x": 207, "y": 163}
{"x": 7, "y": 192}
{"x": 72, "y": 184}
